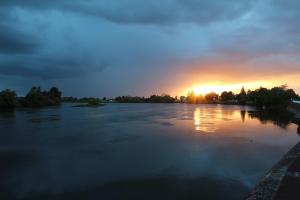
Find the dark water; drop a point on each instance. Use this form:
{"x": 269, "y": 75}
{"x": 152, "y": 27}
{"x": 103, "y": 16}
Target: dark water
{"x": 139, "y": 151}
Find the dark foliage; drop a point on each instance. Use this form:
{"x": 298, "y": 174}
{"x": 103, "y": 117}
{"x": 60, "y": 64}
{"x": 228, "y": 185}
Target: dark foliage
{"x": 38, "y": 98}
{"x": 182, "y": 99}
{"x": 208, "y": 98}
{"x": 242, "y": 97}
{"x": 262, "y": 97}
{"x": 227, "y": 96}
{"x": 129, "y": 99}
{"x": 152, "y": 99}
{"x": 275, "y": 97}
{"x": 212, "y": 97}
{"x": 162, "y": 99}
{"x": 7, "y": 100}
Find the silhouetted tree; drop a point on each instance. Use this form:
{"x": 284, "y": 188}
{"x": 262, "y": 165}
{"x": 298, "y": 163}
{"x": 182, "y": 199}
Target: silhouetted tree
{"x": 227, "y": 96}
{"x": 129, "y": 99}
{"x": 260, "y": 97}
{"x": 54, "y": 96}
{"x": 242, "y": 97}
{"x": 182, "y": 99}
{"x": 54, "y": 93}
{"x": 165, "y": 98}
{"x": 275, "y": 97}
{"x": 211, "y": 97}
{"x": 37, "y": 98}
{"x": 7, "y": 100}
{"x": 191, "y": 97}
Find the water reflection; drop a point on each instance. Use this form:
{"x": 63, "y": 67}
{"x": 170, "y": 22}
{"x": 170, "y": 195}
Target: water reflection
{"x": 205, "y": 123}
{"x": 208, "y": 119}
{"x": 243, "y": 115}
{"x": 140, "y": 151}
{"x": 278, "y": 118}
{"x": 197, "y": 119}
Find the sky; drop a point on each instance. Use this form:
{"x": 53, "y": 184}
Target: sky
{"x": 107, "y": 48}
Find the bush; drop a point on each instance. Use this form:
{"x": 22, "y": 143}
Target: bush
{"x": 7, "y": 100}
{"x": 38, "y": 98}
{"x": 227, "y": 96}
{"x": 161, "y": 99}
{"x": 276, "y": 97}
{"x": 94, "y": 102}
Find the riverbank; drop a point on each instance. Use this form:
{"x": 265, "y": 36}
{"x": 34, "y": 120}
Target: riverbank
{"x": 283, "y": 180}
{"x": 279, "y": 182}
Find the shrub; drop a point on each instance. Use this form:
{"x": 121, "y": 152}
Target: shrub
{"x": 7, "y": 100}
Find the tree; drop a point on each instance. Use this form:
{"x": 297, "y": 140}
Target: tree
{"x": 7, "y": 100}
{"x": 271, "y": 98}
{"x": 35, "y": 98}
{"x": 261, "y": 97}
{"x": 227, "y": 96}
{"x": 54, "y": 96}
{"x": 182, "y": 99}
{"x": 38, "y": 98}
{"x": 211, "y": 97}
{"x": 164, "y": 98}
{"x": 191, "y": 97}
{"x": 54, "y": 93}
{"x": 242, "y": 97}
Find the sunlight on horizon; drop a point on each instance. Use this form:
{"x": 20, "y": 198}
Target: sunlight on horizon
{"x": 217, "y": 87}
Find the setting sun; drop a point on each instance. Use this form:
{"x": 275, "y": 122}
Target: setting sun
{"x": 203, "y": 90}
{"x": 220, "y": 87}
{"x": 197, "y": 90}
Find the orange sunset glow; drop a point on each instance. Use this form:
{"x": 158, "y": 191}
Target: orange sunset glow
{"x": 157, "y": 99}
{"x": 235, "y": 85}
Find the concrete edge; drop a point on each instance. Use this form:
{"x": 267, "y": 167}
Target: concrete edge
{"x": 269, "y": 185}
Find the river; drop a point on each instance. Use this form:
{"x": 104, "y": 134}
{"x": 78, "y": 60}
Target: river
{"x": 140, "y": 151}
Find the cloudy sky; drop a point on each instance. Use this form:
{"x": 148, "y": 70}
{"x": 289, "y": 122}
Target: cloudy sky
{"x": 138, "y": 47}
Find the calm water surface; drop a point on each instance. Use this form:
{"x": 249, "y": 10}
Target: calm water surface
{"x": 139, "y": 151}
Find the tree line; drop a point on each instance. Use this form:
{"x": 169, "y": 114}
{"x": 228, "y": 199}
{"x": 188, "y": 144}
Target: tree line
{"x": 35, "y": 98}
{"x": 87, "y": 100}
{"x": 261, "y": 97}
{"x": 165, "y": 98}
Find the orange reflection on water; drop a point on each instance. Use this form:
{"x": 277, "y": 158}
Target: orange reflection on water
{"x": 204, "y": 123}
{"x": 209, "y": 119}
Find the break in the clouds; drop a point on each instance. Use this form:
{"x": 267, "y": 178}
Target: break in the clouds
{"x": 119, "y": 47}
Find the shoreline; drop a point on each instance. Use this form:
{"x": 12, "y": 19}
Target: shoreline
{"x": 270, "y": 184}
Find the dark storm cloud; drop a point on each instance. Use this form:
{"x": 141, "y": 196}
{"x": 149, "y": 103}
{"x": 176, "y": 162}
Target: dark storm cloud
{"x": 45, "y": 68}
{"x": 13, "y": 41}
{"x": 32, "y": 3}
{"x": 131, "y": 39}
{"x": 146, "y": 12}
{"x": 167, "y": 12}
